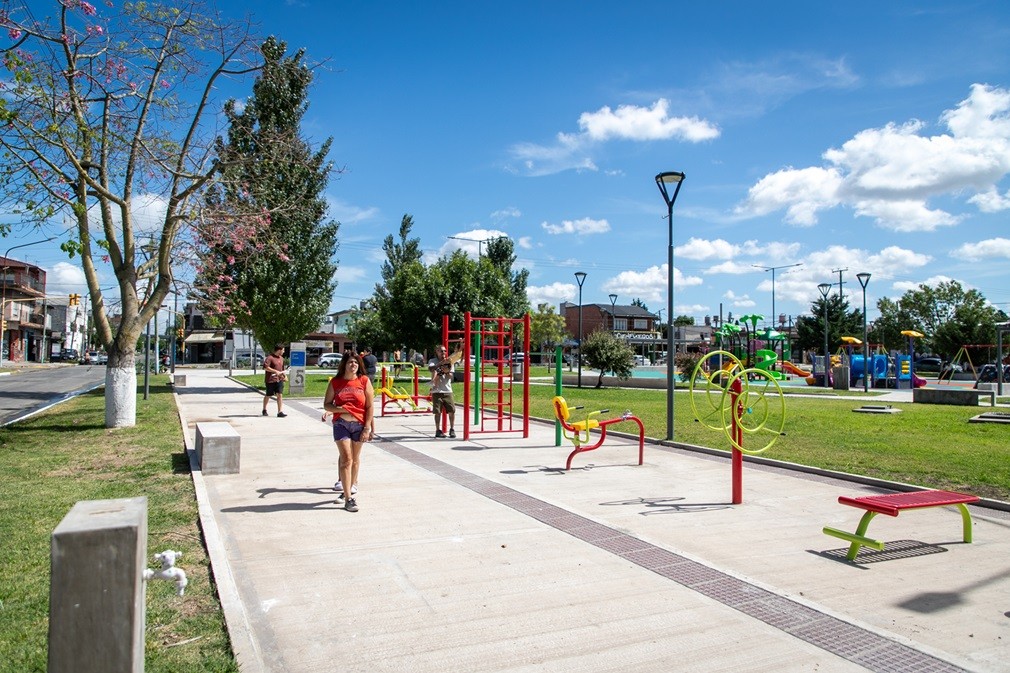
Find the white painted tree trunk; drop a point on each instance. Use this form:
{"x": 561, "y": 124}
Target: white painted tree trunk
{"x": 121, "y": 395}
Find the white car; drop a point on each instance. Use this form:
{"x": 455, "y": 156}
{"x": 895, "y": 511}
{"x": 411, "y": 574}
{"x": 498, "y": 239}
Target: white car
{"x": 329, "y": 360}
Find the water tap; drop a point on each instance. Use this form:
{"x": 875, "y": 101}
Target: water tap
{"x": 168, "y": 570}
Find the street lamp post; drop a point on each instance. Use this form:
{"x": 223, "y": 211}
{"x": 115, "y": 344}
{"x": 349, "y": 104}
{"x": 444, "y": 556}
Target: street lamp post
{"x": 663, "y": 180}
{"x": 773, "y": 269}
{"x": 580, "y": 277}
{"x": 864, "y": 280}
{"x": 3, "y": 301}
{"x": 613, "y": 315}
{"x": 825, "y": 288}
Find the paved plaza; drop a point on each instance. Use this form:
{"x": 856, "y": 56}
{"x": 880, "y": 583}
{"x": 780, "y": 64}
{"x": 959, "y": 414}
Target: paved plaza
{"x": 485, "y": 555}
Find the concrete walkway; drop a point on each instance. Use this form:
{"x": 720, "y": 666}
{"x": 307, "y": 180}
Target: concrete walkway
{"x": 485, "y": 555}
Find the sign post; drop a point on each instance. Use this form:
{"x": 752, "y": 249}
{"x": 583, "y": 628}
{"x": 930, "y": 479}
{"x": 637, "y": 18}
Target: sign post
{"x": 296, "y": 378}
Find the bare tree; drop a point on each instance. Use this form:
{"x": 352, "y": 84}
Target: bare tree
{"x": 108, "y": 125}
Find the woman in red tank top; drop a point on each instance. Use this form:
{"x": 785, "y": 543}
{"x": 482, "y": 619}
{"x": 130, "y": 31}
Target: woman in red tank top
{"x": 349, "y": 398}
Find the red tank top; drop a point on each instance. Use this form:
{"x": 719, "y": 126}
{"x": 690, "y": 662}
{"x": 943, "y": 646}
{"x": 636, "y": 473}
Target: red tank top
{"x": 350, "y": 394}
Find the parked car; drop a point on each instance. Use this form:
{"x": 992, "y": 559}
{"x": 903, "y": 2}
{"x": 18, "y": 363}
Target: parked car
{"x": 245, "y": 360}
{"x": 69, "y": 355}
{"x": 929, "y": 363}
{"x": 329, "y": 360}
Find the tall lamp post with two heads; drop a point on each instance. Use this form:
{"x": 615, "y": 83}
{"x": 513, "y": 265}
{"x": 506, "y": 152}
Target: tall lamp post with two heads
{"x": 663, "y": 181}
{"x": 864, "y": 280}
{"x": 580, "y": 277}
{"x": 825, "y": 288}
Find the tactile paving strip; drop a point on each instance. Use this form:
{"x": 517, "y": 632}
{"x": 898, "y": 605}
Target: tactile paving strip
{"x": 866, "y": 648}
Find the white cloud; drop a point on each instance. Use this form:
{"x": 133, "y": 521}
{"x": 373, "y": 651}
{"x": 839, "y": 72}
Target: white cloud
{"x": 730, "y": 267}
{"x": 932, "y": 281}
{"x": 739, "y": 301}
{"x": 991, "y": 201}
{"x": 801, "y": 192}
{"x": 584, "y": 225}
{"x": 690, "y": 309}
{"x": 552, "y": 294}
{"x": 505, "y": 213}
{"x": 649, "y": 285}
{"x": 349, "y": 274}
{"x": 631, "y": 122}
{"x": 472, "y": 242}
{"x": 698, "y": 248}
{"x": 573, "y": 151}
{"x": 525, "y": 242}
{"x": 992, "y": 248}
{"x": 346, "y": 213}
{"x": 891, "y": 173}
{"x": 65, "y": 278}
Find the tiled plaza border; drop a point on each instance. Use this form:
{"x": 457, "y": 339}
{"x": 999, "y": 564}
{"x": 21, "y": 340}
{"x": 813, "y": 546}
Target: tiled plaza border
{"x": 859, "y": 645}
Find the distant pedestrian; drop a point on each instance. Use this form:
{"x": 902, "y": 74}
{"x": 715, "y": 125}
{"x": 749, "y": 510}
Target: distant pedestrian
{"x": 371, "y": 362}
{"x": 350, "y": 398}
{"x": 441, "y": 369}
{"x": 274, "y": 377}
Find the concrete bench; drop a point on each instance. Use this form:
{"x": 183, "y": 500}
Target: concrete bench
{"x": 892, "y": 505}
{"x": 218, "y": 448}
{"x": 954, "y": 396}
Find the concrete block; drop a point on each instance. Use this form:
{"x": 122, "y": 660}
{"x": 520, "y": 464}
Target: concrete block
{"x": 952, "y": 396}
{"x": 179, "y": 380}
{"x": 218, "y": 448}
{"x": 96, "y": 593}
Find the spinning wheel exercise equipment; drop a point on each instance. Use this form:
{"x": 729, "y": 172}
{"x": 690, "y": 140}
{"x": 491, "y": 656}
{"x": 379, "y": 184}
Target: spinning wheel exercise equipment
{"x": 739, "y": 402}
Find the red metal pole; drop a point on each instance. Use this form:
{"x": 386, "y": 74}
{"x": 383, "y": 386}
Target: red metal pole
{"x": 526, "y": 377}
{"x": 466, "y": 376}
{"x": 738, "y": 439}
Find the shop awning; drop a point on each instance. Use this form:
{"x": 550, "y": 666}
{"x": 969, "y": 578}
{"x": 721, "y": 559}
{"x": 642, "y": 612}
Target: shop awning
{"x": 205, "y": 338}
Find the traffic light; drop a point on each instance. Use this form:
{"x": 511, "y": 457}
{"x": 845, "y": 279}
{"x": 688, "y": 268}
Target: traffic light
{"x": 75, "y": 299}
{"x": 180, "y": 334}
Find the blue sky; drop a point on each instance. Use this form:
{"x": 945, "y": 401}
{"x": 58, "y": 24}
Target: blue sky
{"x": 864, "y": 136}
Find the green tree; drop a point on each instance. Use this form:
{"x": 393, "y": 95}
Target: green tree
{"x": 268, "y": 167}
{"x": 103, "y": 108}
{"x": 547, "y": 330}
{"x": 683, "y": 321}
{"x": 501, "y": 254}
{"x": 948, "y": 315}
{"x": 841, "y": 322}
{"x": 605, "y": 352}
{"x": 413, "y": 297}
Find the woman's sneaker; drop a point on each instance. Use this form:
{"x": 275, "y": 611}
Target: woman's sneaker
{"x": 339, "y": 488}
{"x": 350, "y": 505}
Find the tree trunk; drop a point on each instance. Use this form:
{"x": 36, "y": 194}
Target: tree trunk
{"x": 121, "y": 390}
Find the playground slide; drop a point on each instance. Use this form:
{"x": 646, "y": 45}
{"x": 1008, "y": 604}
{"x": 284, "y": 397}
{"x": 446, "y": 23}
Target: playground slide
{"x": 794, "y": 370}
{"x": 765, "y": 360}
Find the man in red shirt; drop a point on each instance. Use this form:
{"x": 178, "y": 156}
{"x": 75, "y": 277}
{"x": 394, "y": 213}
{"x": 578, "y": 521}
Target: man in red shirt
{"x": 274, "y": 375}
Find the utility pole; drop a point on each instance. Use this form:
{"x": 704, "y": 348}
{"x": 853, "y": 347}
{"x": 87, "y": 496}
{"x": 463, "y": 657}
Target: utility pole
{"x": 840, "y": 283}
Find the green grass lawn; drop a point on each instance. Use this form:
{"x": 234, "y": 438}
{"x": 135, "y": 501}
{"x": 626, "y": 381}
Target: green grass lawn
{"x": 926, "y": 445}
{"x": 63, "y": 455}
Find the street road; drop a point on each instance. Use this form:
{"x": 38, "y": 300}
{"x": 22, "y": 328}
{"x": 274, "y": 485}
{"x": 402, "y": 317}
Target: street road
{"x": 27, "y": 391}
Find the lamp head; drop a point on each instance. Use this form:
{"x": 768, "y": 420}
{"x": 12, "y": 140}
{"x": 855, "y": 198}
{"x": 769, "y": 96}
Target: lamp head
{"x": 864, "y": 279}
{"x": 613, "y": 299}
{"x": 824, "y": 288}
{"x": 580, "y": 277}
{"x": 670, "y": 177}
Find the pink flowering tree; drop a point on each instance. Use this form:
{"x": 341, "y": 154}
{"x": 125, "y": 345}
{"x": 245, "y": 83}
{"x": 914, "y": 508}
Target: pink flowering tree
{"x": 107, "y": 126}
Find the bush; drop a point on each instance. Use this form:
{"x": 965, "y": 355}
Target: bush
{"x": 687, "y": 363}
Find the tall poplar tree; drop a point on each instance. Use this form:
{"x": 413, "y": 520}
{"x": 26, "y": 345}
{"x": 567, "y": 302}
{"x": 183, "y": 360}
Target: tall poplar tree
{"x": 273, "y": 171}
